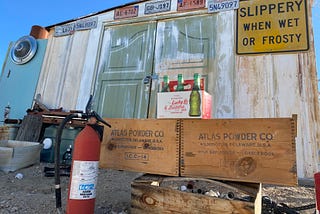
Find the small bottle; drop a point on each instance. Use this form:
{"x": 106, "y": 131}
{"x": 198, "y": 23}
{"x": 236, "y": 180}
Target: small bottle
{"x": 67, "y": 156}
{"x": 195, "y": 98}
{"x": 7, "y": 112}
{"x": 165, "y": 84}
{"x": 180, "y": 86}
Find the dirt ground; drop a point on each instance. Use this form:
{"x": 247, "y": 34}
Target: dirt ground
{"x": 34, "y": 193}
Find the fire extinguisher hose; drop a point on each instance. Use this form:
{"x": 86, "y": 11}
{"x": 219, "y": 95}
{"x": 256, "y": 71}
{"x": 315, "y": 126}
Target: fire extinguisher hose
{"x": 57, "y": 158}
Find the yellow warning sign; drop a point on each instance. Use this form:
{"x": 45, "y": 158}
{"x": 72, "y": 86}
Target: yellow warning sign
{"x": 272, "y": 26}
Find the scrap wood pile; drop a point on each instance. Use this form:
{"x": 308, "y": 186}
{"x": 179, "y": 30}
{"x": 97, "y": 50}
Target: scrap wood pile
{"x": 214, "y": 196}
{"x": 39, "y": 117}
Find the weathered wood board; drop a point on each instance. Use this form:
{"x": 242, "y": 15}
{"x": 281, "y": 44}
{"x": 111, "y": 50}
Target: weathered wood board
{"x": 8, "y": 132}
{"x": 30, "y": 128}
{"x": 260, "y": 150}
{"x": 150, "y": 146}
{"x": 151, "y": 195}
{"x": 253, "y": 150}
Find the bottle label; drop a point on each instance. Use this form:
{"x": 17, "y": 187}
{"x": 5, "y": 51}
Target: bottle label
{"x": 84, "y": 180}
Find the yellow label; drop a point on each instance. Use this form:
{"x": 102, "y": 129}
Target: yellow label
{"x": 272, "y": 26}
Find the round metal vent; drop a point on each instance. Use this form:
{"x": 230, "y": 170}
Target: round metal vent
{"x": 23, "y": 50}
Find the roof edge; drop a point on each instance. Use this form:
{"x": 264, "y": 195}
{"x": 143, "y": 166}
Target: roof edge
{"x": 93, "y": 14}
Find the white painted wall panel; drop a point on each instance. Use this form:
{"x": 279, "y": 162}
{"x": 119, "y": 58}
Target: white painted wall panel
{"x": 89, "y": 67}
{"x": 53, "y": 70}
{"x": 74, "y": 69}
{"x": 221, "y": 74}
{"x": 279, "y": 86}
{"x": 62, "y": 71}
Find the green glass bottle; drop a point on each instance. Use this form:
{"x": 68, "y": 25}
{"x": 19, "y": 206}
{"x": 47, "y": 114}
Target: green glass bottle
{"x": 195, "y": 98}
{"x": 180, "y": 86}
{"x": 165, "y": 84}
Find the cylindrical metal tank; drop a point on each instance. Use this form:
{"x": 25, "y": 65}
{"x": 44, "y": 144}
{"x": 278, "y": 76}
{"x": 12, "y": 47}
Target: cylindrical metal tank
{"x": 49, "y": 138}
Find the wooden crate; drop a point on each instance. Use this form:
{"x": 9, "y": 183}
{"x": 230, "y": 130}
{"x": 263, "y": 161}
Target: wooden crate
{"x": 150, "y": 146}
{"x": 4, "y": 133}
{"x": 159, "y": 194}
{"x": 252, "y": 150}
{"x": 259, "y": 150}
{"x": 8, "y": 132}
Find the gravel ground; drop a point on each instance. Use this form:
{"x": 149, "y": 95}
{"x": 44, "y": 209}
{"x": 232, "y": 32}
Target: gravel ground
{"x": 35, "y": 194}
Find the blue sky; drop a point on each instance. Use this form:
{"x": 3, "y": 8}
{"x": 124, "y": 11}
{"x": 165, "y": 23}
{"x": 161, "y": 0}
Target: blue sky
{"x": 18, "y": 18}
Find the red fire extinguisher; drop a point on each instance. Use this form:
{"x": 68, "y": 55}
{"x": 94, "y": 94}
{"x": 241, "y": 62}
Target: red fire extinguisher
{"x": 85, "y": 164}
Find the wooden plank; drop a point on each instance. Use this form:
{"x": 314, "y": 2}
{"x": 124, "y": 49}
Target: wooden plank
{"x": 4, "y": 133}
{"x": 148, "y": 198}
{"x": 8, "y": 132}
{"x": 150, "y": 146}
{"x": 260, "y": 150}
{"x": 258, "y": 201}
{"x": 30, "y": 128}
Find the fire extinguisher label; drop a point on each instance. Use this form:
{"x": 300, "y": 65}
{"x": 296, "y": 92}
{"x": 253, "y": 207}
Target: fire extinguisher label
{"x": 84, "y": 179}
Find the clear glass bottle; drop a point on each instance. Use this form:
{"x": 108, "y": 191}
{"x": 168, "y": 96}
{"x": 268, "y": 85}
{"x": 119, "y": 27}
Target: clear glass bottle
{"x": 165, "y": 84}
{"x": 7, "y": 112}
{"x": 180, "y": 86}
{"x": 195, "y": 98}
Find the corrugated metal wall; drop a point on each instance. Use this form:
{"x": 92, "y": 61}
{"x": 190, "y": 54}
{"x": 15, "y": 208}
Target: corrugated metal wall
{"x": 265, "y": 85}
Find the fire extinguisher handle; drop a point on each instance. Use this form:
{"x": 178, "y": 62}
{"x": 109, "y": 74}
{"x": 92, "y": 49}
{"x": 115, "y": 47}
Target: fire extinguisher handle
{"x": 89, "y": 105}
{"x": 89, "y": 113}
{"x": 97, "y": 116}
